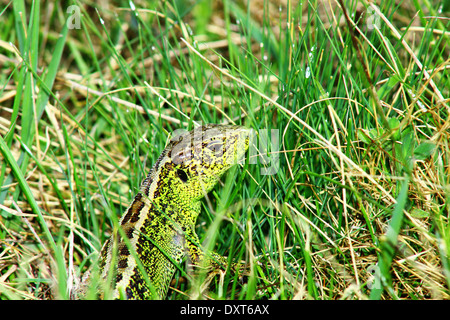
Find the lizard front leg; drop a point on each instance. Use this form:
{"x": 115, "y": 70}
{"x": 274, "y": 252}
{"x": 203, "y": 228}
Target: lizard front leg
{"x": 208, "y": 261}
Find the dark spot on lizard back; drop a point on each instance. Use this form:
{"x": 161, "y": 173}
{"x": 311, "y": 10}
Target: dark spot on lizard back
{"x": 134, "y": 210}
{"x": 123, "y": 263}
{"x": 129, "y": 231}
{"x": 124, "y": 251}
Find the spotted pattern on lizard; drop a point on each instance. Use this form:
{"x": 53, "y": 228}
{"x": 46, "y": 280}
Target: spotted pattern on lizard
{"x": 158, "y": 228}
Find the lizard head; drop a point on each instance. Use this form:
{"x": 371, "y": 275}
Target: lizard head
{"x": 195, "y": 160}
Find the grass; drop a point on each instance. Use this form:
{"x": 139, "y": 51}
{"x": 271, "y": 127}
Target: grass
{"x": 358, "y": 205}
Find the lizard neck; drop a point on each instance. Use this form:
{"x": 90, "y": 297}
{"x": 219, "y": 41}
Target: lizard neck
{"x": 175, "y": 209}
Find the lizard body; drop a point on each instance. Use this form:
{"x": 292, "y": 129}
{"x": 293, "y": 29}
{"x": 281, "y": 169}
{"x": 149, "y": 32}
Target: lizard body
{"x": 158, "y": 228}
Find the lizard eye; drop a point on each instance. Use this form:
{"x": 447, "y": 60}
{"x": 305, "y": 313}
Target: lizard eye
{"x": 215, "y": 146}
{"x": 182, "y": 175}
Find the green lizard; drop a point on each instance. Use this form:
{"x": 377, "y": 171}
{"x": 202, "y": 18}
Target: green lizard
{"x": 159, "y": 225}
